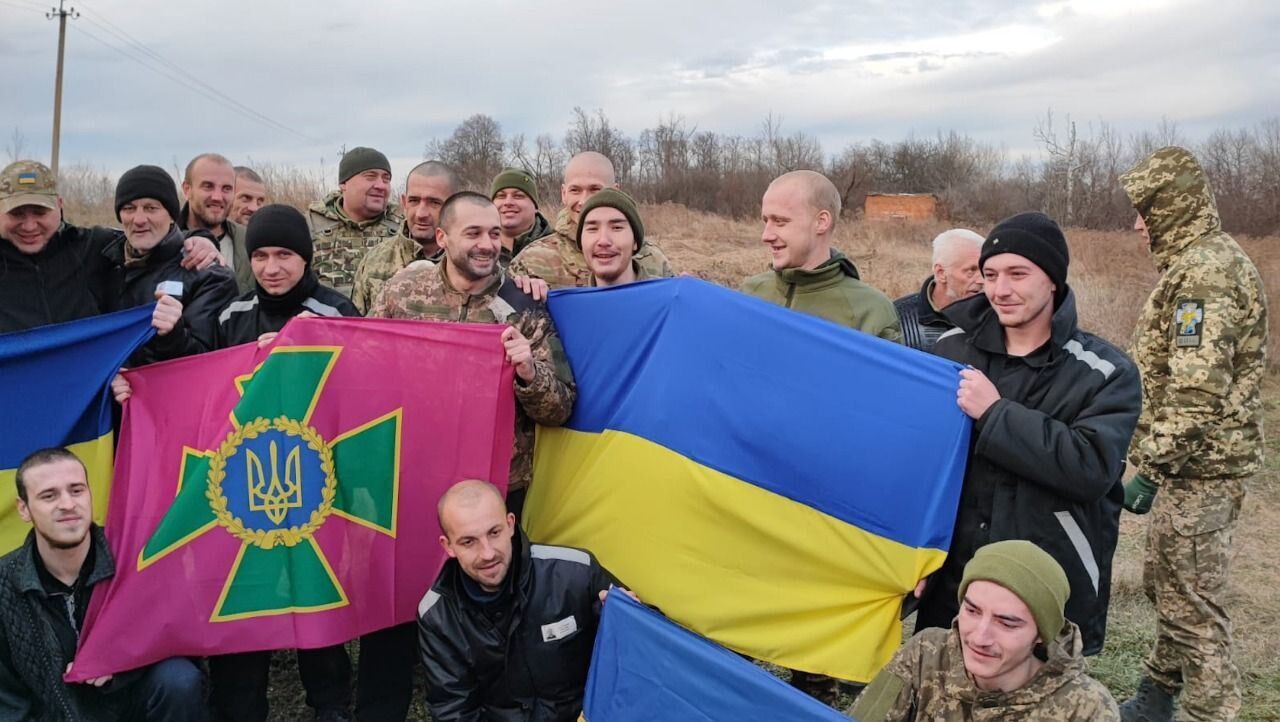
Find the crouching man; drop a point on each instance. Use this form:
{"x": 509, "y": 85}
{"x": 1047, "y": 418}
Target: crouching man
{"x": 507, "y": 629}
{"x": 1010, "y": 654}
{"x": 44, "y": 591}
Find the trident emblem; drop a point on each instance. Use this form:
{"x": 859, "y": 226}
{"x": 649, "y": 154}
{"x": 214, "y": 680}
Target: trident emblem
{"x": 274, "y": 498}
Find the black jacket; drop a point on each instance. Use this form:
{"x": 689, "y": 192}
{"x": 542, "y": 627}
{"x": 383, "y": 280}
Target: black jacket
{"x": 526, "y": 657}
{"x": 203, "y": 294}
{"x": 246, "y": 318}
{"x": 35, "y": 628}
{"x": 921, "y": 325}
{"x": 234, "y": 236}
{"x": 1045, "y": 460}
{"x": 65, "y": 281}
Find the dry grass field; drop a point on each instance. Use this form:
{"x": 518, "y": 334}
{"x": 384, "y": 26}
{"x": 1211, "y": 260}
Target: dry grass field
{"x": 1111, "y": 274}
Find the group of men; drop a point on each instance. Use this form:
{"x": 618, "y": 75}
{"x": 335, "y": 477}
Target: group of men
{"x": 1056, "y": 412}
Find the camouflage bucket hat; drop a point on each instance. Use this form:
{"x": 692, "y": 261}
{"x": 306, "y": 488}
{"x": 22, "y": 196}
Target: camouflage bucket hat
{"x": 27, "y": 183}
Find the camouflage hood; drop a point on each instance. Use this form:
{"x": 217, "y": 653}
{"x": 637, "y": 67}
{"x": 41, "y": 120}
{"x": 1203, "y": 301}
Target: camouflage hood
{"x": 1171, "y": 193}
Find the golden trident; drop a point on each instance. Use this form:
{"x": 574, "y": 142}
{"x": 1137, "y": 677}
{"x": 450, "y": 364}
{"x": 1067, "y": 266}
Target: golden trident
{"x": 274, "y": 498}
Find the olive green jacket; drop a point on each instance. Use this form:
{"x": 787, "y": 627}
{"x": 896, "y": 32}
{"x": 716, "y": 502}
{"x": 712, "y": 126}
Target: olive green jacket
{"x": 832, "y": 291}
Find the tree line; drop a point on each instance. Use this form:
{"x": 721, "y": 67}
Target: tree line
{"x": 1074, "y": 177}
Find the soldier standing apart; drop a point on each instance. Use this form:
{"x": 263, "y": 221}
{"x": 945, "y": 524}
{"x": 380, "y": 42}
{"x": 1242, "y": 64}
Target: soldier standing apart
{"x": 556, "y": 258}
{"x": 426, "y": 188}
{"x": 469, "y": 285}
{"x": 955, "y": 276}
{"x": 1201, "y": 346}
{"x": 1010, "y": 654}
{"x": 355, "y": 218}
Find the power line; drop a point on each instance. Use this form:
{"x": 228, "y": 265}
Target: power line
{"x": 138, "y": 52}
{"x": 24, "y": 6}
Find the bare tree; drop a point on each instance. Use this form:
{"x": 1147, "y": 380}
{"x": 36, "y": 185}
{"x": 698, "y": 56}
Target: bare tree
{"x": 474, "y": 150}
{"x": 16, "y": 148}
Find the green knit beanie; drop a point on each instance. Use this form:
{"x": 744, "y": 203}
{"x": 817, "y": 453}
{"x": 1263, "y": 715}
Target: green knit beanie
{"x": 517, "y": 178}
{"x": 360, "y": 159}
{"x": 613, "y": 198}
{"x": 1030, "y": 573}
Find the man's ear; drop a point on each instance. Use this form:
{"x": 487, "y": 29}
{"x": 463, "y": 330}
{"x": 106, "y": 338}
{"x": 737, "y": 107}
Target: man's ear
{"x": 444, "y": 544}
{"x": 24, "y": 511}
{"x": 824, "y": 222}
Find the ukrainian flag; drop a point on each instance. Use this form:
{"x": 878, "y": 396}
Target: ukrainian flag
{"x": 768, "y": 479}
{"x": 55, "y": 381}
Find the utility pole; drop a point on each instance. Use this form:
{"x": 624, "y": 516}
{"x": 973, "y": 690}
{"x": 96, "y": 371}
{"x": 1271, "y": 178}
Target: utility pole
{"x": 61, "y": 13}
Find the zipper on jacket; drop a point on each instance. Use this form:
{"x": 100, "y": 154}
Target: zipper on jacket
{"x": 462, "y": 311}
{"x": 791, "y": 294}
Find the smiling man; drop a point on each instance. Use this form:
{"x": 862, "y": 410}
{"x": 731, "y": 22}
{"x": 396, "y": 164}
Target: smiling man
{"x": 45, "y": 586}
{"x": 556, "y": 258}
{"x": 426, "y": 188}
{"x": 1009, "y": 655}
{"x": 1053, "y": 410}
{"x": 355, "y": 218}
{"x": 516, "y": 197}
{"x": 955, "y": 276}
{"x": 799, "y": 211}
{"x": 609, "y": 236}
{"x": 507, "y": 629}
{"x": 208, "y": 185}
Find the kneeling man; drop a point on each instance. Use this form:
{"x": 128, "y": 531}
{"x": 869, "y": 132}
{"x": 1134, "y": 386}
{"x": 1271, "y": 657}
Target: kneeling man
{"x": 1010, "y": 654}
{"x": 507, "y": 629}
{"x": 45, "y": 586}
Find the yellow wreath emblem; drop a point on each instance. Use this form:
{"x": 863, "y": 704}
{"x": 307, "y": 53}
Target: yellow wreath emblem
{"x": 268, "y": 538}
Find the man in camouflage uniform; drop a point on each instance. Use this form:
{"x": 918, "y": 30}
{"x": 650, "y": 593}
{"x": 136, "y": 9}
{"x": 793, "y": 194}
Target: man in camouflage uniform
{"x": 426, "y": 188}
{"x": 1201, "y": 346}
{"x": 1010, "y": 655}
{"x": 516, "y": 196}
{"x": 355, "y": 218}
{"x": 556, "y": 258}
{"x": 469, "y": 285}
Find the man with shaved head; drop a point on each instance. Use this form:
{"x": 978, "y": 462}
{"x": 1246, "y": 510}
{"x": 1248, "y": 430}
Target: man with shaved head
{"x": 208, "y": 187}
{"x": 426, "y": 188}
{"x": 557, "y": 258}
{"x": 507, "y": 629}
{"x": 955, "y": 276}
{"x": 799, "y": 211}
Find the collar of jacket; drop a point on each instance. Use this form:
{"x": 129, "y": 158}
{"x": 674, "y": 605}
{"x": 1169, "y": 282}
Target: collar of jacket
{"x": 1063, "y": 664}
{"x": 167, "y": 248}
{"x": 924, "y": 309}
{"x": 408, "y": 246}
{"x": 976, "y": 317}
{"x": 104, "y": 567}
{"x": 184, "y": 213}
{"x": 831, "y": 272}
{"x": 495, "y": 281}
{"x": 332, "y": 207}
{"x": 539, "y": 229}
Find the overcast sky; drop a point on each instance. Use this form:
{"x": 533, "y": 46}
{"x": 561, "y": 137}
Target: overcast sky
{"x": 393, "y": 74}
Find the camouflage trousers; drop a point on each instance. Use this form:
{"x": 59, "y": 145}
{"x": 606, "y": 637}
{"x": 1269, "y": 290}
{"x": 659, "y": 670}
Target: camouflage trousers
{"x": 1185, "y": 577}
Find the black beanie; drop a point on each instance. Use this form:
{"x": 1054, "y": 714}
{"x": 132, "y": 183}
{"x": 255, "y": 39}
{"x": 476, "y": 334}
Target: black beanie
{"x": 360, "y": 159}
{"x": 279, "y": 225}
{"x": 616, "y": 199}
{"x": 1037, "y": 238}
{"x": 147, "y": 181}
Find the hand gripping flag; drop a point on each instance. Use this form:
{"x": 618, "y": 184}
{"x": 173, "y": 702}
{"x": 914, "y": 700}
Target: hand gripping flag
{"x": 644, "y": 667}
{"x": 768, "y": 479}
{"x": 285, "y": 497}
{"x": 55, "y": 385}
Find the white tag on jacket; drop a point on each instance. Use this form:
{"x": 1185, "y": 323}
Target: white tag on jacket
{"x": 170, "y": 288}
{"x": 559, "y": 630}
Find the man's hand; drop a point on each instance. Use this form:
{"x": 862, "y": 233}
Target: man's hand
{"x": 1139, "y": 493}
{"x": 535, "y": 287}
{"x": 200, "y": 253}
{"x": 96, "y": 681}
{"x": 267, "y": 338}
{"x": 519, "y": 353}
{"x": 918, "y": 592}
{"x": 121, "y": 389}
{"x": 976, "y": 393}
{"x": 604, "y": 594}
{"x": 167, "y": 314}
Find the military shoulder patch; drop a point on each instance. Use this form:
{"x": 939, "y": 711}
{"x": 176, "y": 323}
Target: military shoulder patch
{"x": 1188, "y": 323}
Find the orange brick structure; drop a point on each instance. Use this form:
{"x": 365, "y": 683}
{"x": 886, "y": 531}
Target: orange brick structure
{"x": 900, "y": 207}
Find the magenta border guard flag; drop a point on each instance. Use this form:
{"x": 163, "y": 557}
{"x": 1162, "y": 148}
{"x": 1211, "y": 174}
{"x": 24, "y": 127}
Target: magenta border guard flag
{"x": 285, "y": 497}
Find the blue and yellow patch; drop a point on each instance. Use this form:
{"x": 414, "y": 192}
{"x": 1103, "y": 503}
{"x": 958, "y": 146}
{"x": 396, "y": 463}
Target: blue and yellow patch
{"x": 1188, "y": 323}
{"x": 27, "y": 179}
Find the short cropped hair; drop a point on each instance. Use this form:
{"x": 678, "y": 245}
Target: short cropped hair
{"x": 447, "y": 211}
{"x": 244, "y": 171}
{"x": 42, "y": 457}
{"x": 215, "y": 157}
{"x": 435, "y": 169}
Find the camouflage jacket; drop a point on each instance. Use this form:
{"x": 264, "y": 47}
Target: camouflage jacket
{"x": 381, "y": 263}
{"x": 539, "y": 229}
{"x": 341, "y": 242}
{"x": 422, "y": 291}
{"x": 1202, "y": 337}
{"x": 926, "y": 680}
{"x": 557, "y": 259}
